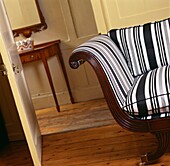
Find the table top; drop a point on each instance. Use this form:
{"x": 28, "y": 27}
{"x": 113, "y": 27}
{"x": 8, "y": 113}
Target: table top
{"x": 41, "y": 46}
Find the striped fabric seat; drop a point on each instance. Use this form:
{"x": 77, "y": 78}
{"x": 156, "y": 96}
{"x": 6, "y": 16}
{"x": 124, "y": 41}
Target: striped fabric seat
{"x": 113, "y": 64}
{"x": 145, "y": 47}
{"x": 149, "y": 96}
{"x": 142, "y": 89}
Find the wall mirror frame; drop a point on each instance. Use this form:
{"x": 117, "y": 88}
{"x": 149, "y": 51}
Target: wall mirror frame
{"x": 33, "y": 27}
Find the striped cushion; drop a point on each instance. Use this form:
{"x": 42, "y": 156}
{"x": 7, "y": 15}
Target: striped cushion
{"x": 145, "y": 47}
{"x": 112, "y": 62}
{"x": 149, "y": 96}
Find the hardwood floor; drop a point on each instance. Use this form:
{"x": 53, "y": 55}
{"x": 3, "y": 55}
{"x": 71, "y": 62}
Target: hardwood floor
{"x": 73, "y": 117}
{"x": 83, "y": 134}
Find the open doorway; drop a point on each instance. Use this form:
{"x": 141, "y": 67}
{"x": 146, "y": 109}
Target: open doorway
{"x": 3, "y": 132}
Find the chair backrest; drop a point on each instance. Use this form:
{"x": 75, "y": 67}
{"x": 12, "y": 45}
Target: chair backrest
{"x": 145, "y": 47}
{"x": 103, "y": 49}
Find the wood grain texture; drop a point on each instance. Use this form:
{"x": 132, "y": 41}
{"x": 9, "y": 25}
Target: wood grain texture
{"x": 103, "y": 145}
{"x": 73, "y": 117}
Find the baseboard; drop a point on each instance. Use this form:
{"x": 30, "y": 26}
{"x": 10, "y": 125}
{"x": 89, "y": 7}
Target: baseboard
{"x": 46, "y": 100}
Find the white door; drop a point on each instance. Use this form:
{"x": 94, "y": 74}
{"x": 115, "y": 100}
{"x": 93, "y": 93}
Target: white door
{"x": 19, "y": 88}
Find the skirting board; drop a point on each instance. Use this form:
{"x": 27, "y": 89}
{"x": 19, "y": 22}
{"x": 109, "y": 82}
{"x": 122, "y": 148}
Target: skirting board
{"x": 79, "y": 94}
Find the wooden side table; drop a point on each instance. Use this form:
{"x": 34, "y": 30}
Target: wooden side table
{"x": 42, "y": 52}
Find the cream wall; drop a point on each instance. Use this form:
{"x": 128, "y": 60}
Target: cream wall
{"x": 122, "y": 13}
{"x": 67, "y": 22}
{"x": 74, "y": 24}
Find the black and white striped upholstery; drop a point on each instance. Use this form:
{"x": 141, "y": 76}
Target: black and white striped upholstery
{"x": 134, "y": 65}
{"x": 136, "y": 61}
{"x": 149, "y": 96}
{"x": 145, "y": 47}
{"x": 113, "y": 64}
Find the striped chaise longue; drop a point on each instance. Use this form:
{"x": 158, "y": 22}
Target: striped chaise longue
{"x": 132, "y": 65}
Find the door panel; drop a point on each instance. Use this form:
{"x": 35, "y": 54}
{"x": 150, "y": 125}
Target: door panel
{"x": 19, "y": 88}
{"x": 121, "y": 13}
{"x": 9, "y": 110}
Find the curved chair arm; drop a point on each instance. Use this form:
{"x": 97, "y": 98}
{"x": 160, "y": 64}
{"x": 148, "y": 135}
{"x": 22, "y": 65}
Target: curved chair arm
{"x": 78, "y": 57}
{"x": 76, "y": 64}
{"x": 160, "y": 127}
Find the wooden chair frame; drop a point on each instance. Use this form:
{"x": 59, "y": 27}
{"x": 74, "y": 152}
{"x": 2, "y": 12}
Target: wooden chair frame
{"x": 159, "y": 127}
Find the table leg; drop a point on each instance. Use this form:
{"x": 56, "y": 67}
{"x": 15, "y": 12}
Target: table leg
{"x": 44, "y": 60}
{"x": 65, "y": 74}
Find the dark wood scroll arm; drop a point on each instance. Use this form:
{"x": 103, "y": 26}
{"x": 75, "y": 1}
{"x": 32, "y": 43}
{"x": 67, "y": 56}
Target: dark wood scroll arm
{"x": 159, "y": 127}
{"x": 76, "y": 64}
{"x": 122, "y": 118}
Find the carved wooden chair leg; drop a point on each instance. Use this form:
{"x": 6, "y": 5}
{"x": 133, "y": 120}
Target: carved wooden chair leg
{"x": 163, "y": 142}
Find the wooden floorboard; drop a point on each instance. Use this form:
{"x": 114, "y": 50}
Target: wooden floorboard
{"x": 15, "y": 154}
{"x": 68, "y": 140}
{"x": 108, "y": 145}
{"x": 74, "y": 117}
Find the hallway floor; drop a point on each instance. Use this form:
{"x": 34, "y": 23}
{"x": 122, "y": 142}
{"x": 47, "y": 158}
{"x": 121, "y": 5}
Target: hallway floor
{"x": 83, "y": 134}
